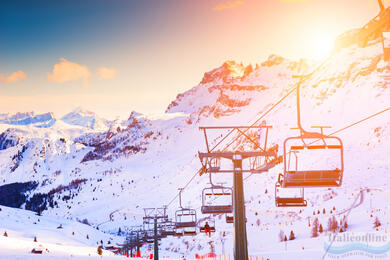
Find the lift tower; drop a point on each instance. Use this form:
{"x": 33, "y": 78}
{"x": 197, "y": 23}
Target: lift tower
{"x": 155, "y": 217}
{"x": 261, "y": 160}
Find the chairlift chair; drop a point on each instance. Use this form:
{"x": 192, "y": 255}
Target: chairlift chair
{"x": 212, "y": 194}
{"x": 185, "y": 218}
{"x": 229, "y": 219}
{"x": 289, "y": 201}
{"x": 318, "y": 158}
{"x": 306, "y": 172}
{"x": 168, "y": 229}
{"x": 189, "y": 231}
{"x": 178, "y": 233}
{"x": 211, "y": 223}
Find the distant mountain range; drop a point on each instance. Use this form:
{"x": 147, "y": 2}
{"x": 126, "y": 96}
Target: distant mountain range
{"x": 78, "y": 117}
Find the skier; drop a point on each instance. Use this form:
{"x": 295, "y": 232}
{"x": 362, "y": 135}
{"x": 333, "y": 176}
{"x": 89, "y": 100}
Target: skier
{"x": 207, "y": 228}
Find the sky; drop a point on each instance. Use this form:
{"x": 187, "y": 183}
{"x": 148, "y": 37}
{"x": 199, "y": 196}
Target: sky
{"x": 116, "y": 56}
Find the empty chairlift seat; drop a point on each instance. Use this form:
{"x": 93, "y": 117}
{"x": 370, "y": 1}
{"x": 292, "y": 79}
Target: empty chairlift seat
{"x": 229, "y": 219}
{"x": 217, "y": 200}
{"x": 168, "y": 229}
{"x": 312, "y": 162}
{"x": 289, "y": 201}
{"x": 185, "y": 218}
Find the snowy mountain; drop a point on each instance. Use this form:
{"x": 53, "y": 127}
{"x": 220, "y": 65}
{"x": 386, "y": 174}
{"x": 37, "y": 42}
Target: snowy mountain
{"x": 78, "y": 117}
{"x": 29, "y": 118}
{"x": 88, "y": 119}
{"x": 108, "y": 177}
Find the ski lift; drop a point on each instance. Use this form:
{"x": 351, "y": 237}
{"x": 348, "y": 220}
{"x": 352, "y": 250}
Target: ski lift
{"x": 229, "y": 219}
{"x": 168, "y": 229}
{"x": 283, "y": 201}
{"x": 210, "y": 222}
{"x": 185, "y": 217}
{"x": 312, "y": 159}
{"x": 386, "y": 45}
{"x": 217, "y": 199}
{"x": 149, "y": 236}
{"x": 189, "y": 231}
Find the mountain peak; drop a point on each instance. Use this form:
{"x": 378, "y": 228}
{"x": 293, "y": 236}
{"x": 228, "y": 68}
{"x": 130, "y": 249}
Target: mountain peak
{"x": 225, "y": 73}
{"x": 81, "y": 117}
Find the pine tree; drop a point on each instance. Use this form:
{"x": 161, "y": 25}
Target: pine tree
{"x": 320, "y": 229}
{"x": 35, "y": 239}
{"x": 323, "y": 211}
{"x": 292, "y": 235}
{"x": 87, "y": 237}
{"x": 5, "y": 234}
{"x": 285, "y": 238}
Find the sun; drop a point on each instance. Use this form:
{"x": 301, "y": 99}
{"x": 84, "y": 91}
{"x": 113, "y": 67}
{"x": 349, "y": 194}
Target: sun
{"x": 322, "y": 46}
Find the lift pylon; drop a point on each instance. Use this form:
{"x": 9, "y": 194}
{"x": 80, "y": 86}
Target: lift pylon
{"x": 155, "y": 217}
{"x": 269, "y": 159}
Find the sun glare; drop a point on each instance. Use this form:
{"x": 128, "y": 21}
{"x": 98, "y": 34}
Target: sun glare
{"x": 322, "y": 46}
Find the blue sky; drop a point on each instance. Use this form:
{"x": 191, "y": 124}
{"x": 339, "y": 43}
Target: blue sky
{"x": 150, "y": 50}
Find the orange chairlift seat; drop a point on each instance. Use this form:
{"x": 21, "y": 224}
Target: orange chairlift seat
{"x": 310, "y": 175}
{"x": 229, "y": 219}
{"x": 289, "y": 201}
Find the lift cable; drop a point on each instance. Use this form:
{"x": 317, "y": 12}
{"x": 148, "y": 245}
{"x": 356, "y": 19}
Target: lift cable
{"x": 301, "y": 79}
{"x": 185, "y": 186}
{"x": 351, "y": 125}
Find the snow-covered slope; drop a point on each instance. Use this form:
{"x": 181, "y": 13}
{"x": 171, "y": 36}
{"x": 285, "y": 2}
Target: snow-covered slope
{"x": 57, "y": 237}
{"x": 108, "y": 177}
